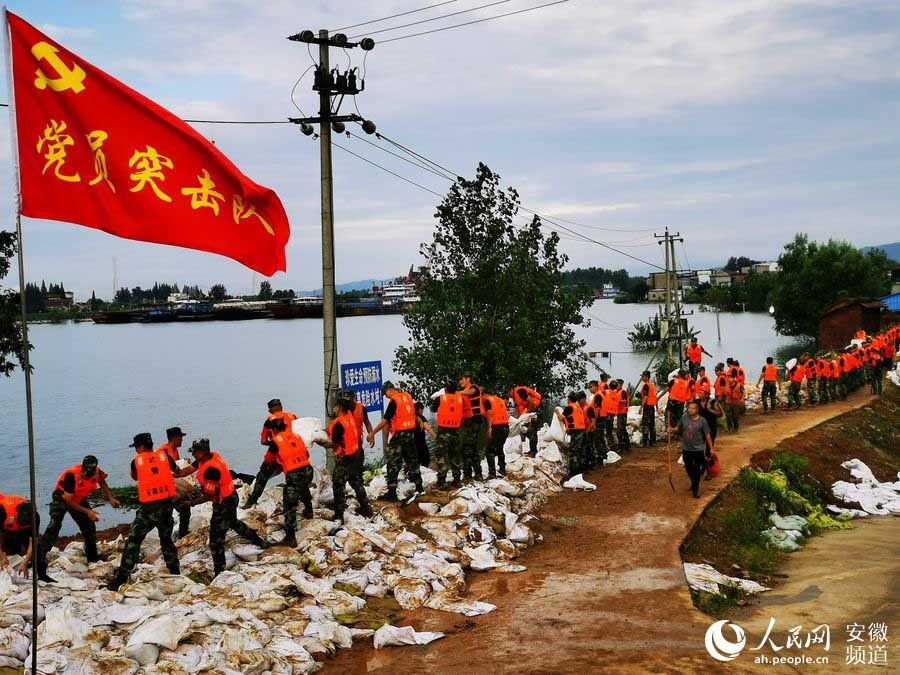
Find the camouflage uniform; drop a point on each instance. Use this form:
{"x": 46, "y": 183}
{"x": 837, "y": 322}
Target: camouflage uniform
{"x": 770, "y": 391}
{"x": 648, "y": 425}
{"x": 58, "y": 511}
{"x": 823, "y": 389}
{"x": 153, "y": 514}
{"x": 469, "y": 441}
{"x": 267, "y": 471}
{"x": 793, "y": 394}
{"x": 576, "y": 451}
{"x": 674, "y": 412}
{"x": 599, "y": 443}
{"x": 447, "y": 455}
{"x": 877, "y": 379}
{"x": 224, "y": 518}
{"x": 499, "y": 434}
{"x": 296, "y": 489}
{"x": 184, "y": 519}
{"x": 402, "y": 449}
{"x": 811, "y": 390}
{"x": 349, "y": 470}
{"x": 531, "y": 434}
{"x": 608, "y": 430}
{"x": 622, "y": 431}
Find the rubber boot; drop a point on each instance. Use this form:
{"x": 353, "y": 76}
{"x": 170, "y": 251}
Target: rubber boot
{"x": 390, "y": 495}
{"x": 365, "y": 510}
{"x": 117, "y": 582}
{"x": 290, "y": 540}
{"x": 307, "y": 510}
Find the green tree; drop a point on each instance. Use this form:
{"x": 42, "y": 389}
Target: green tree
{"x": 12, "y": 343}
{"x": 815, "y": 276}
{"x": 265, "y": 291}
{"x": 735, "y": 264}
{"x": 492, "y": 299}
{"x": 217, "y": 292}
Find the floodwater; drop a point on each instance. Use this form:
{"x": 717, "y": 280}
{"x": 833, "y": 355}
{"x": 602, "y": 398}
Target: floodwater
{"x": 95, "y": 386}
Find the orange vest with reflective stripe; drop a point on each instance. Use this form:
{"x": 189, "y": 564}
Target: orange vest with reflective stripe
{"x": 449, "y": 412}
{"x": 404, "y": 418}
{"x": 797, "y": 375}
{"x": 576, "y": 420}
{"x": 267, "y": 434}
{"x": 11, "y": 505}
{"x": 221, "y": 489}
{"x": 597, "y": 404}
{"x": 770, "y": 373}
{"x": 651, "y": 394}
{"x": 694, "y": 354}
{"x": 499, "y": 412}
{"x": 811, "y": 371}
{"x": 703, "y": 384}
{"x": 679, "y": 391}
{"x": 83, "y": 486}
{"x": 836, "y": 369}
{"x": 154, "y": 476}
{"x": 292, "y": 452}
{"x": 734, "y": 395}
{"x": 351, "y": 435}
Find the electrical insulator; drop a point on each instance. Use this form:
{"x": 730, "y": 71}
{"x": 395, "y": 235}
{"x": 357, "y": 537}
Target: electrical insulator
{"x": 341, "y": 82}
{"x": 339, "y": 40}
{"x": 369, "y": 127}
{"x": 338, "y": 127}
{"x": 367, "y": 44}
{"x": 351, "y": 80}
{"x": 307, "y": 36}
{"x": 306, "y": 129}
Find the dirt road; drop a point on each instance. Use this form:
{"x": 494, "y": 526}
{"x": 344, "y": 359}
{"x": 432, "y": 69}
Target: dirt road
{"x": 605, "y": 590}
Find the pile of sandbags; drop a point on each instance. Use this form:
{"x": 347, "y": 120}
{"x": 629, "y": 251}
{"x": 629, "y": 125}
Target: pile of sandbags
{"x": 274, "y": 610}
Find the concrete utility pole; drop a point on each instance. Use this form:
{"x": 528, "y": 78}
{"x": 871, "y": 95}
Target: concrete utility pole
{"x": 672, "y": 321}
{"x": 330, "y": 84}
{"x": 679, "y": 336}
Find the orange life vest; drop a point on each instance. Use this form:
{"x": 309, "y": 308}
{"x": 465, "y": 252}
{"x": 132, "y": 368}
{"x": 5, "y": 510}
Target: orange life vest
{"x": 721, "y": 383}
{"x": 84, "y": 486}
{"x": 624, "y": 399}
{"x": 679, "y": 391}
{"x": 221, "y": 489}
{"x": 836, "y": 369}
{"x": 499, "y": 412}
{"x": 651, "y": 394}
{"x": 351, "y": 435}
{"x": 267, "y": 433}
{"x": 531, "y": 396}
{"x": 741, "y": 376}
{"x": 811, "y": 371}
{"x": 154, "y": 476}
{"x": 597, "y": 404}
{"x": 292, "y": 452}
{"x": 860, "y": 335}
{"x": 797, "y": 374}
{"x": 359, "y": 417}
{"x": 449, "y": 412}
{"x": 404, "y": 418}
{"x": 575, "y": 420}
{"x": 734, "y": 395}
{"x": 770, "y": 373}
{"x": 473, "y": 404}
{"x": 889, "y": 350}
{"x": 694, "y": 354}
{"x": 823, "y": 368}
{"x": 610, "y": 402}
{"x": 170, "y": 451}
{"x": 11, "y": 505}
{"x": 703, "y": 384}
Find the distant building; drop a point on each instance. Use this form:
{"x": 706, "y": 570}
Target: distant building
{"x": 839, "y": 323}
{"x": 765, "y": 268}
{"x": 609, "y": 291}
{"x": 720, "y": 278}
{"x": 895, "y": 279}
{"x": 704, "y": 277}
{"x": 64, "y": 301}
{"x": 177, "y": 297}
{"x": 892, "y": 302}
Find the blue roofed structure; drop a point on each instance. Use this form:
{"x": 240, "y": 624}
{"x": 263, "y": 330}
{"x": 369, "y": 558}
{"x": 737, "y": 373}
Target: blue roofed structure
{"x": 892, "y": 301}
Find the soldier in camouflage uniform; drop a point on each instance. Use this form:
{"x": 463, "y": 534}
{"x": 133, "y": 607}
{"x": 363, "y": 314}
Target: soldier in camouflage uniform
{"x": 270, "y": 466}
{"x": 569, "y": 418}
{"x": 216, "y": 486}
{"x": 344, "y": 437}
{"x": 154, "y": 472}
{"x": 597, "y": 436}
{"x": 473, "y": 432}
{"x": 447, "y": 449}
{"x": 298, "y": 476}
{"x": 589, "y": 451}
{"x": 648, "y": 410}
{"x": 400, "y": 416}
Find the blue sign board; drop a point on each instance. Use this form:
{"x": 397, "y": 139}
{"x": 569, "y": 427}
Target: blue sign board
{"x": 365, "y": 379}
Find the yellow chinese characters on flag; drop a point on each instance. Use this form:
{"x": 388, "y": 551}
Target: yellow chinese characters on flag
{"x": 94, "y": 152}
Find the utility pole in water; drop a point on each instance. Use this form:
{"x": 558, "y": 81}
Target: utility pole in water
{"x": 672, "y": 321}
{"x": 330, "y": 84}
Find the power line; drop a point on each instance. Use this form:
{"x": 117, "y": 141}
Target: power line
{"x": 544, "y": 218}
{"x": 400, "y": 157}
{"x": 397, "y": 175}
{"x": 434, "y": 18}
{"x": 394, "y": 16}
{"x": 469, "y": 23}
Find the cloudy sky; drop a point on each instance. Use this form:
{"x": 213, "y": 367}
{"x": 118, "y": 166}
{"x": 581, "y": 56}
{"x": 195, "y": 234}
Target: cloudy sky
{"x": 737, "y": 124}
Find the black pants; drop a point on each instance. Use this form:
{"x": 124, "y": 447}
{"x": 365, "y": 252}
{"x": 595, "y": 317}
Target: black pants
{"x": 769, "y": 395}
{"x": 674, "y": 411}
{"x": 693, "y": 368}
{"x": 499, "y": 434}
{"x": 695, "y": 465}
{"x": 224, "y": 518}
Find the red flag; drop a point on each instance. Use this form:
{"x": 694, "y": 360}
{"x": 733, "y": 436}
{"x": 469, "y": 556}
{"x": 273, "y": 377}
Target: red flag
{"x": 93, "y": 151}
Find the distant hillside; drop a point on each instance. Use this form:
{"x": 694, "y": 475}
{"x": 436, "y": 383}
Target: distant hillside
{"x": 891, "y": 250}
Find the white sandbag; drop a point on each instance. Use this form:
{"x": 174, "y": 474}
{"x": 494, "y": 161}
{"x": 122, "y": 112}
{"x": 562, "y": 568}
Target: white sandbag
{"x": 165, "y": 631}
{"x": 411, "y": 593}
{"x": 555, "y": 433}
{"x": 708, "y": 579}
{"x": 612, "y": 457}
{"x": 389, "y": 635}
{"x": 578, "y": 482}
{"x": 450, "y": 602}
{"x": 438, "y": 394}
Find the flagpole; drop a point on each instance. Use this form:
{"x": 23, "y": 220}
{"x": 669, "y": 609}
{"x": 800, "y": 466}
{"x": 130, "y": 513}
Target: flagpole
{"x": 26, "y": 363}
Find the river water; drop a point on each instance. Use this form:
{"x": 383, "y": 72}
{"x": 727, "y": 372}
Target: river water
{"x": 95, "y": 386}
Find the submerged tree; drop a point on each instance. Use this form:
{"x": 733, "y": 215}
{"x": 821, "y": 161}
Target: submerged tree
{"x": 815, "y": 276}
{"x": 12, "y": 343}
{"x": 493, "y": 300}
